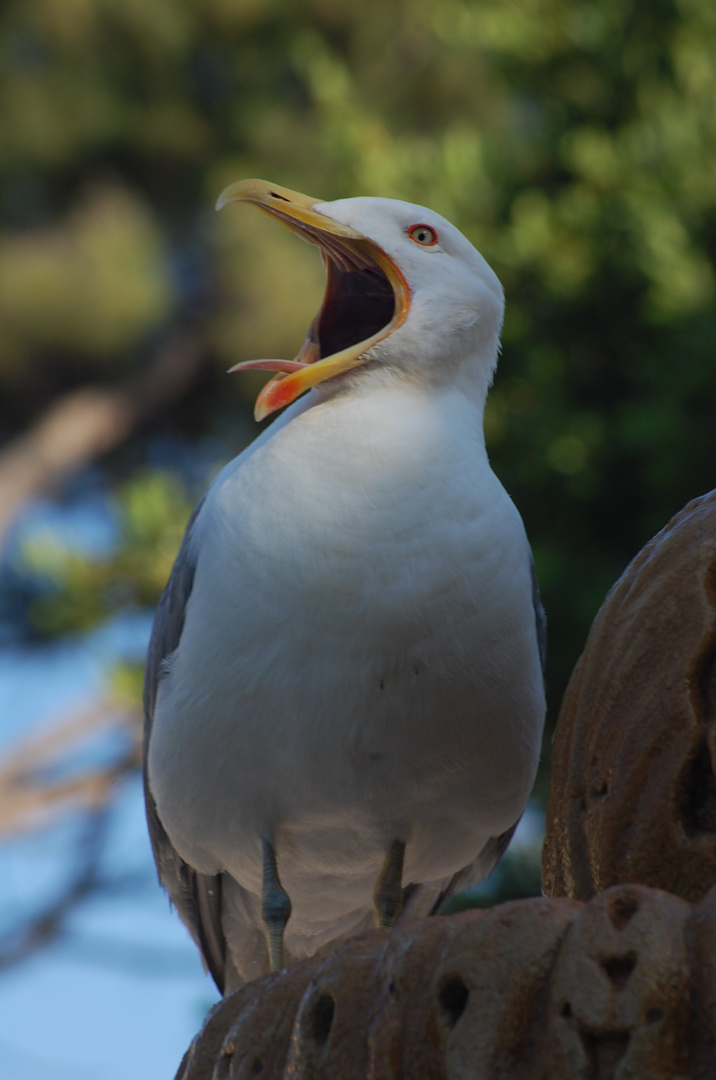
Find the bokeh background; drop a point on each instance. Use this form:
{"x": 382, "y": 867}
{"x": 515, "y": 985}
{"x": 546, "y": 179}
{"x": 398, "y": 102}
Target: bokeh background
{"x": 573, "y": 142}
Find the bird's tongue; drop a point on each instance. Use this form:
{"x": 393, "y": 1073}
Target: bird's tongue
{"x": 309, "y": 354}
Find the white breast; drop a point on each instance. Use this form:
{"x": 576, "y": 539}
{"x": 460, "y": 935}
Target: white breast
{"x": 359, "y": 660}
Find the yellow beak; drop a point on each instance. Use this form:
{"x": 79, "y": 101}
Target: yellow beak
{"x": 345, "y": 252}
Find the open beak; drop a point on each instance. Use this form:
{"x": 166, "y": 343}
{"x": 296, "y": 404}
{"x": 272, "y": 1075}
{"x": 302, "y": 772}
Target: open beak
{"x": 366, "y": 297}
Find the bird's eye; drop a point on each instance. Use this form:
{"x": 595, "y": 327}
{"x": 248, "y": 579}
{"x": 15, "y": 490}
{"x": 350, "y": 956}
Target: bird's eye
{"x": 423, "y": 234}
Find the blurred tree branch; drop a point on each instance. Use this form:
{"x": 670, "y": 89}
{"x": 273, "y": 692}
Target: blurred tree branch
{"x": 38, "y": 785}
{"x": 33, "y": 932}
{"x": 29, "y": 796}
{"x": 86, "y": 423}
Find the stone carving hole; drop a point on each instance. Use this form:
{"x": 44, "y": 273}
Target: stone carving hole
{"x": 604, "y": 1052}
{"x": 697, "y": 808}
{"x": 453, "y": 997}
{"x": 622, "y": 910}
{"x": 619, "y": 968}
{"x": 320, "y": 1019}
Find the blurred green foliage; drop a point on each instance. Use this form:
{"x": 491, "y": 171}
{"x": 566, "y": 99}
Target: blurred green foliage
{"x": 81, "y": 591}
{"x": 574, "y": 143}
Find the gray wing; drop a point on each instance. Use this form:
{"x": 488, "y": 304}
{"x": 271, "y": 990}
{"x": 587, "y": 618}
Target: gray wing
{"x": 197, "y": 897}
{"x": 540, "y": 617}
{"x": 419, "y": 899}
{"x": 429, "y": 899}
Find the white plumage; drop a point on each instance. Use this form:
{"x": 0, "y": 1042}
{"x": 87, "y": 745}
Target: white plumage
{"x": 354, "y": 659}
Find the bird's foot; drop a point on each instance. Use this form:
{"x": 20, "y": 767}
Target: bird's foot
{"x": 388, "y": 893}
{"x": 275, "y": 906}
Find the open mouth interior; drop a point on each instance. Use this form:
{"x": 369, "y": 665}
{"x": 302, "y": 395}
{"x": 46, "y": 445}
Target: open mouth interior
{"x": 358, "y": 303}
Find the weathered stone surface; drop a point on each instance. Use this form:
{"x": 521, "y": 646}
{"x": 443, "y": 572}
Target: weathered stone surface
{"x": 326, "y": 1041}
{"x": 703, "y": 950}
{"x": 248, "y": 1033}
{"x": 619, "y": 993}
{"x": 633, "y": 791}
{"x": 503, "y": 961}
{"x": 460, "y": 993}
{"x": 405, "y": 1041}
{"x": 543, "y": 989}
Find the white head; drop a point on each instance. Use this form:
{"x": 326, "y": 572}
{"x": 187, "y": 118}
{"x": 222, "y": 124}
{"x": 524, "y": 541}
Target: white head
{"x": 406, "y": 293}
{"x": 456, "y": 299}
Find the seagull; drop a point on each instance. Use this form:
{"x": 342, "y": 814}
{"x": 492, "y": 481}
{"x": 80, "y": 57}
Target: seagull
{"x": 344, "y": 690}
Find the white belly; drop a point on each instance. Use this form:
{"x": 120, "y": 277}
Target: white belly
{"x": 358, "y": 663}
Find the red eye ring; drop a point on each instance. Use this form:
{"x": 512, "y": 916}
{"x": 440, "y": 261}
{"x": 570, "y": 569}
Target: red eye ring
{"x": 423, "y": 234}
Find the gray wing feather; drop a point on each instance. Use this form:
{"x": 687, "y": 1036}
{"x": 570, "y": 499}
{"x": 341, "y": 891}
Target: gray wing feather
{"x": 540, "y": 617}
{"x": 429, "y": 899}
{"x": 197, "y": 897}
{"x": 483, "y": 865}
